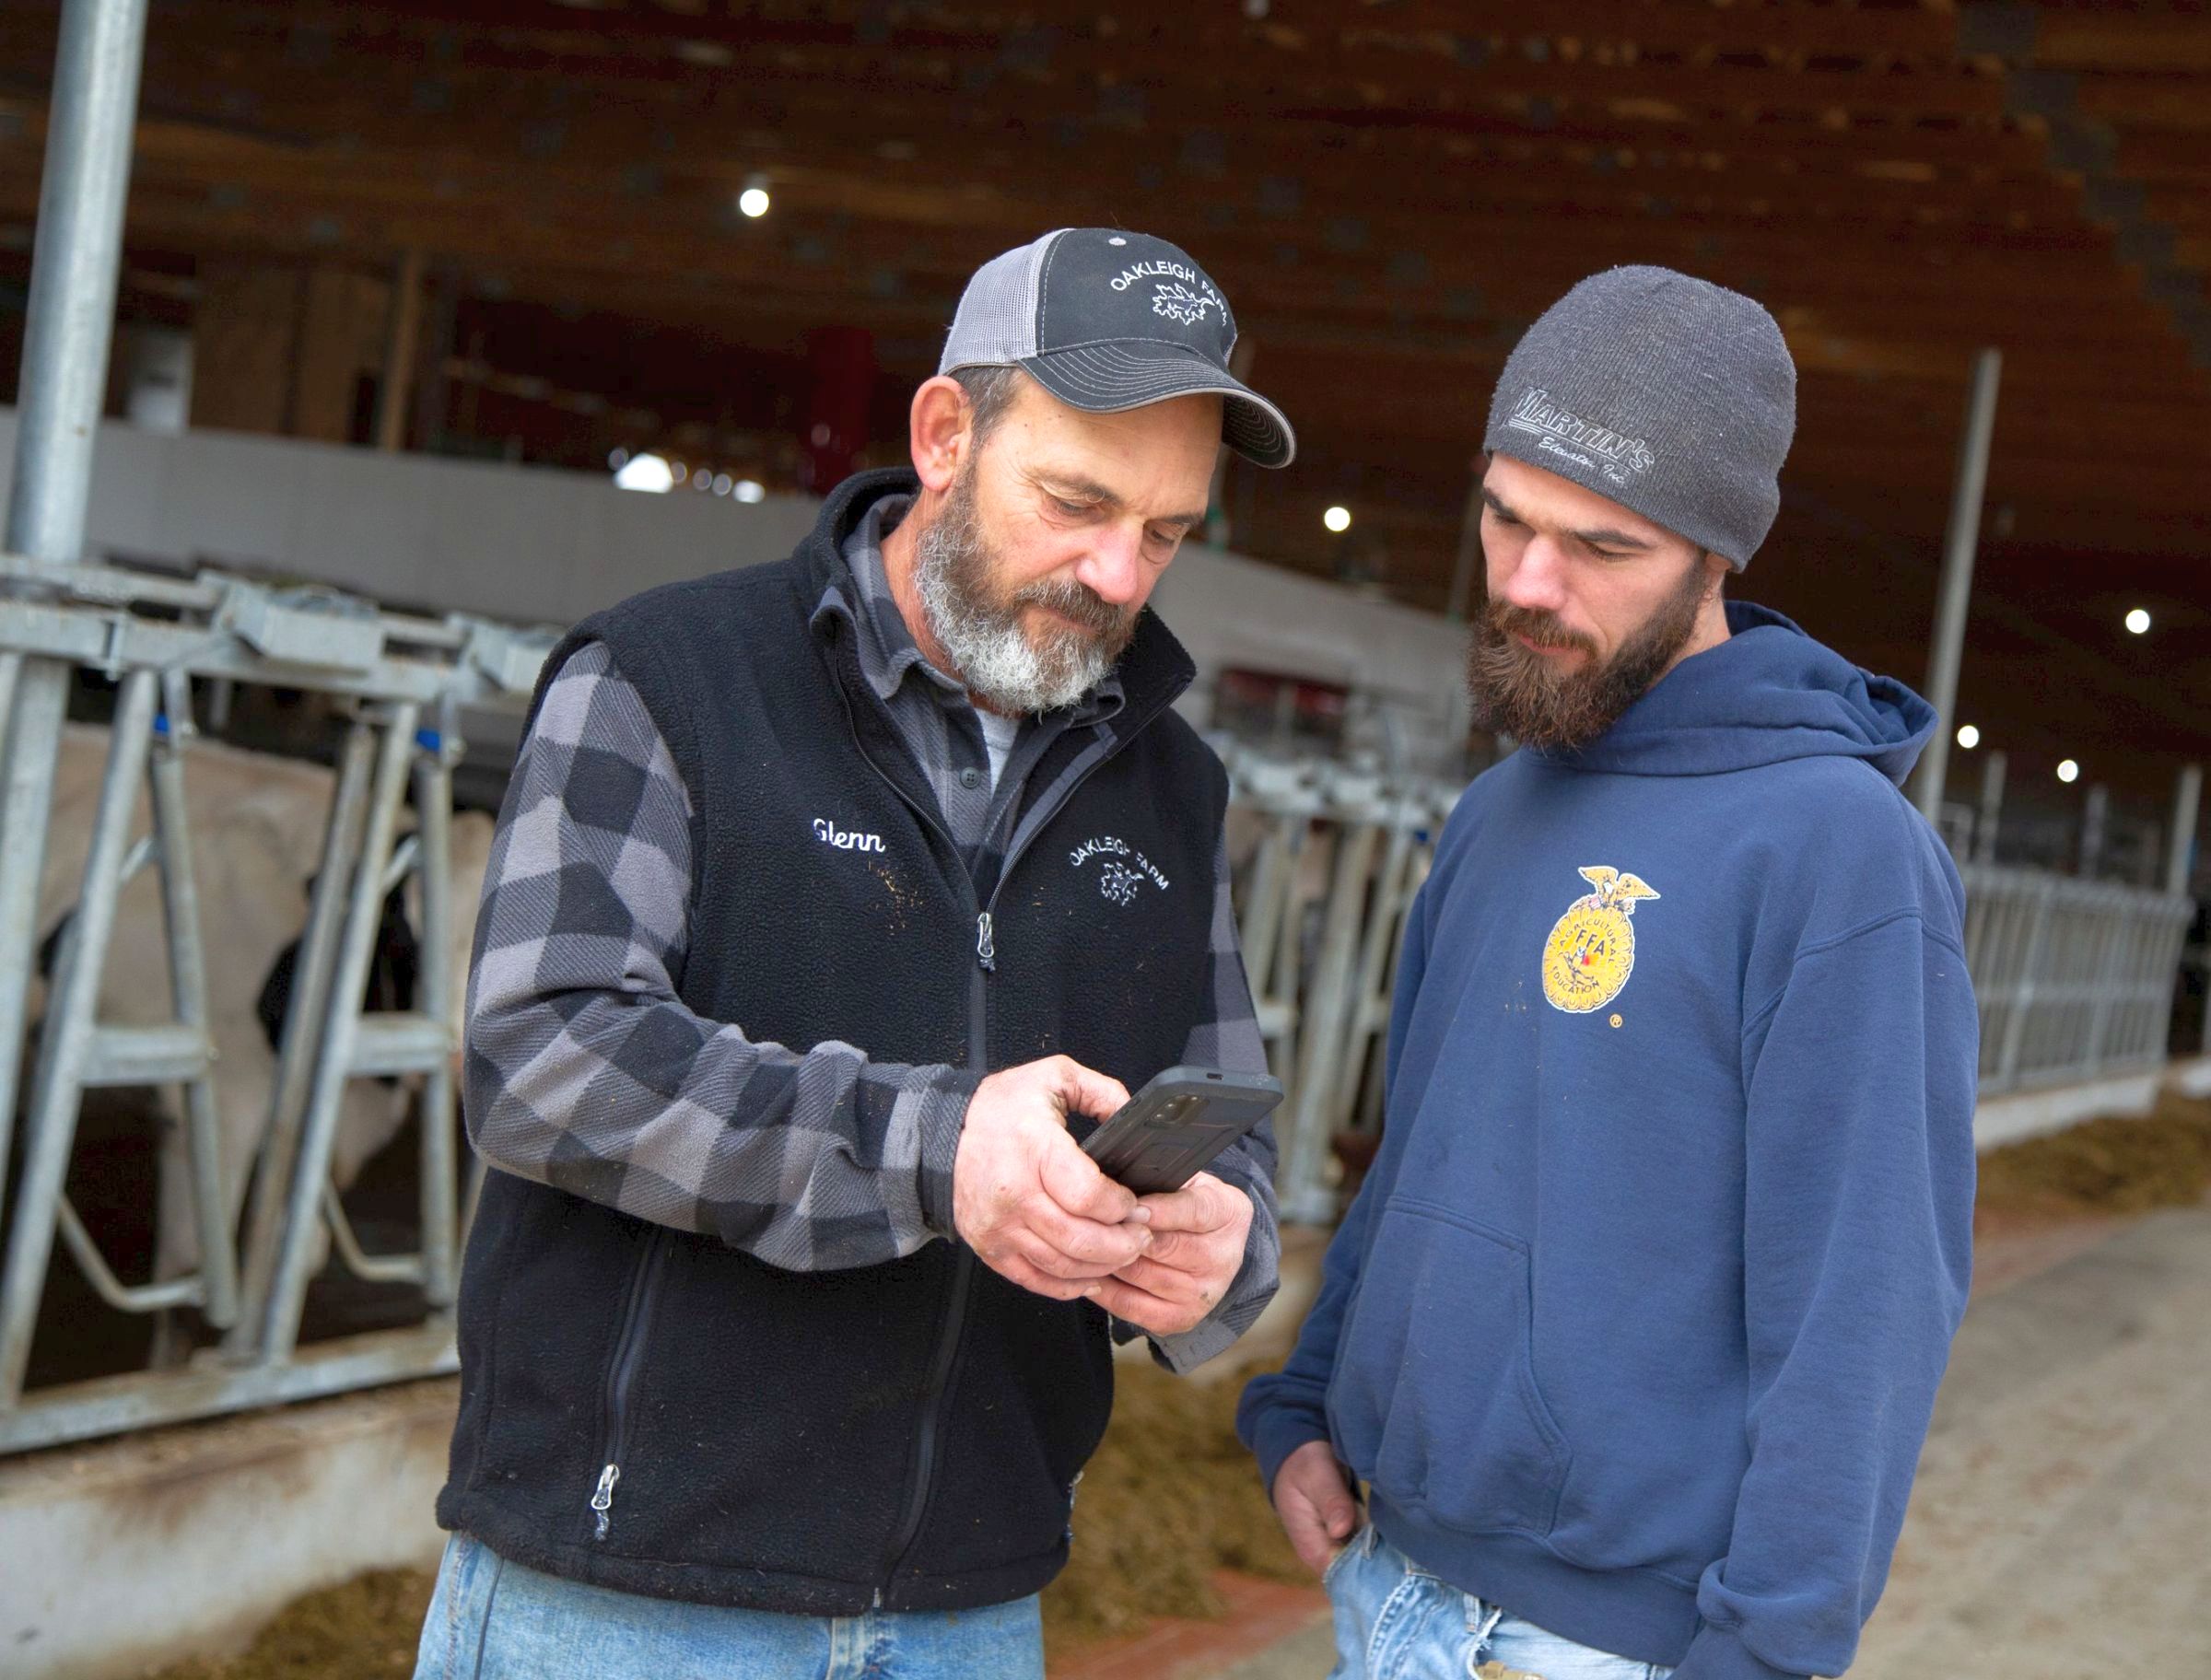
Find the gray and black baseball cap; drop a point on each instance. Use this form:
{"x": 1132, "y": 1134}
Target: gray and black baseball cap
{"x": 1108, "y": 320}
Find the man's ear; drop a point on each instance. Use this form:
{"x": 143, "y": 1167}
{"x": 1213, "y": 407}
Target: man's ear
{"x": 940, "y": 432}
{"x": 1716, "y": 567}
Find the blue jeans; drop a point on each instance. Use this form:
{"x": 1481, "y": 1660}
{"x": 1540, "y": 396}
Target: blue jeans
{"x": 493, "y": 1621}
{"x": 1395, "y": 1621}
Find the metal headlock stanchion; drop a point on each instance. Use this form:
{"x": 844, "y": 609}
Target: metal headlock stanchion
{"x": 1286, "y": 797}
{"x": 152, "y": 635}
{"x": 1378, "y": 834}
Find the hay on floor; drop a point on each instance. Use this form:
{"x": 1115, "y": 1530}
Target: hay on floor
{"x": 2107, "y": 1165}
{"x": 1171, "y": 1497}
{"x": 365, "y": 1630}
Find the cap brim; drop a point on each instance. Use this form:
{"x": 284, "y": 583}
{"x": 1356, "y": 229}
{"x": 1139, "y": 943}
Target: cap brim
{"x": 1106, "y": 378}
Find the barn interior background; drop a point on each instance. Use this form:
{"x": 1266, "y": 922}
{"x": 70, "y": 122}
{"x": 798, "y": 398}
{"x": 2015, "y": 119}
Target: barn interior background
{"x": 341, "y": 339}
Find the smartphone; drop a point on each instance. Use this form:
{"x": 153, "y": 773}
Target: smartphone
{"x": 1177, "y": 1123}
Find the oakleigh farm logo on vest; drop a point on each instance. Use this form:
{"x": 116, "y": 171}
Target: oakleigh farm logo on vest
{"x": 1125, "y": 868}
{"x": 1562, "y": 433}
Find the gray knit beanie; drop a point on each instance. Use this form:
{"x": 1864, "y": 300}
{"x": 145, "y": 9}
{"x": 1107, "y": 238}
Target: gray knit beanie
{"x": 1672, "y": 396}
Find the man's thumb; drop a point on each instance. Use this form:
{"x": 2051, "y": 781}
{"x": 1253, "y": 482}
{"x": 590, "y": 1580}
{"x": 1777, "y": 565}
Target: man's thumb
{"x": 1342, "y": 1518}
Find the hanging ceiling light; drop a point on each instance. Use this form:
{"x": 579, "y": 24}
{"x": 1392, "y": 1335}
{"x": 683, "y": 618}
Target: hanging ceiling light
{"x": 649, "y": 472}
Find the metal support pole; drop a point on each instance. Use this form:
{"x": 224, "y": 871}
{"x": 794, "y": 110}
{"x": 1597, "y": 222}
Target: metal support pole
{"x": 2094, "y": 817}
{"x": 2180, "y": 858}
{"x": 430, "y": 389}
{"x": 399, "y": 352}
{"x": 1964, "y": 537}
{"x": 1470, "y": 556}
{"x": 11, "y": 672}
{"x": 434, "y": 878}
{"x": 1992, "y": 809}
{"x": 70, "y": 319}
{"x": 66, "y": 1041}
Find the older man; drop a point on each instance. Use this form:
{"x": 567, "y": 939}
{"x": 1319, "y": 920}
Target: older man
{"x": 825, "y": 891}
{"x": 1634, "y": 1328}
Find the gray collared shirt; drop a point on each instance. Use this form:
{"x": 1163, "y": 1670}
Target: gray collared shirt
{"x": 934, "y": 717}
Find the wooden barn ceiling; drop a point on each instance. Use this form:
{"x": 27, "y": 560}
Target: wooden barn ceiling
{"x": 1388, "y": 191}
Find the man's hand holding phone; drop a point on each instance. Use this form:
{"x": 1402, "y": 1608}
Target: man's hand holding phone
{"x": 1197, "y": 1249}
{"x": 1035, "y": 1208}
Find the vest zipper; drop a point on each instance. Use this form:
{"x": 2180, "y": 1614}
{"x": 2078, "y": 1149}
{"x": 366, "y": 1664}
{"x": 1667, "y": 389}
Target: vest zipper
{"x": 620, "y": 1372}
{"x": 979, "y": 1060}
{"x": 955, "y": 1317}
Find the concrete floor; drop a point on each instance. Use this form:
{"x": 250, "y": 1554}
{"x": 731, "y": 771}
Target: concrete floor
{"x": 2061, "y": 1525}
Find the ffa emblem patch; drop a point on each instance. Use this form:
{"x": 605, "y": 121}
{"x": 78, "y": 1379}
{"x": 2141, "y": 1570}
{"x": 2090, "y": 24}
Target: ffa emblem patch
{"x": 1591, "y": 951}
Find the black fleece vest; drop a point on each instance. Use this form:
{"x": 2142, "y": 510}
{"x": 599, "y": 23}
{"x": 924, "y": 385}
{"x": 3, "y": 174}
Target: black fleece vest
{"x": 904, "y": 1435}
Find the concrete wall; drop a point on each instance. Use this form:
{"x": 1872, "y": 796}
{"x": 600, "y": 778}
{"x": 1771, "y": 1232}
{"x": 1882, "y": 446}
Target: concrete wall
{"x": 544, "y": 545}
{"x": 120, "y": 1555}
{"x": 522, "y": 542}
{"x": 2030, "y": 1113}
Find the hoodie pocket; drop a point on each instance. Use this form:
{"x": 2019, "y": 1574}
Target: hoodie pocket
{"x": 1435, "y": 1397}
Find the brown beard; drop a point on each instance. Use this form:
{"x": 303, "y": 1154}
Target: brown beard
{"x": 1517, "y": 693}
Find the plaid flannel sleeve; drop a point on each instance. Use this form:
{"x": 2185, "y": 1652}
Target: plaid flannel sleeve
{"x": 585, "y": 1072}
{"x": 1230, "y": 1040}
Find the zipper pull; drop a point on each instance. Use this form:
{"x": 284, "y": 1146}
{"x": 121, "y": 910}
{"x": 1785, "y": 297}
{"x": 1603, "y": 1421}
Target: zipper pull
{"x": 984, "y": 951}
{"x": 603, "y": 1497}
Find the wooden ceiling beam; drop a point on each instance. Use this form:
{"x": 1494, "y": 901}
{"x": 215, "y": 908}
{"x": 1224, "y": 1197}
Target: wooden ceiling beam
{"x": 2171, "y": 101}
{"x": 453, "y": 70}
{"x": 254, "y": 88}
{"x": 2080, "y": 256}
{"x": 1786, "y": 31}
{"x": 2132, "y": 41}
{"x": 1929, "y": 213}
{"x": 626, "y": 234}
{"x": 651, "y": 269}
{"x": 1359, "y": 77}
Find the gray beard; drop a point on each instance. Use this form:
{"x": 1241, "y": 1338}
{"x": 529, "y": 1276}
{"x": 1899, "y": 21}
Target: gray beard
{"x": 1004, "y": 666}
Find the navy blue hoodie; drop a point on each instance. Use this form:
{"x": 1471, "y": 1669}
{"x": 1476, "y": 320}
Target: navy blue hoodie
{"x": 1635, "y": 1326}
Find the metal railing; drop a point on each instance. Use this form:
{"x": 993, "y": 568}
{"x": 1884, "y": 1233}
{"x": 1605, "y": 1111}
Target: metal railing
{"x": 2074, "y": 978}
{"x": 1338, "y": 856}
{"x": 405, "y": 680}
